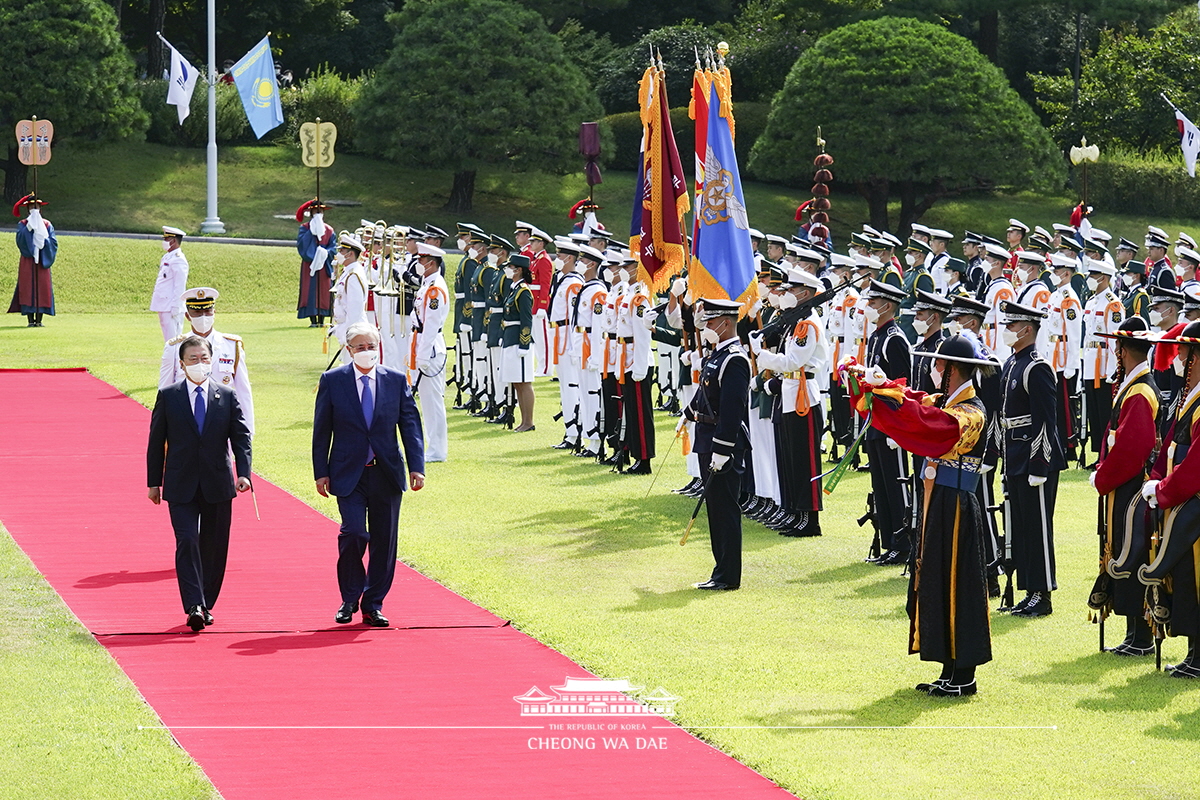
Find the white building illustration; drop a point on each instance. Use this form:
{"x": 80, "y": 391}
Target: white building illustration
{"x": 593, "y": 696}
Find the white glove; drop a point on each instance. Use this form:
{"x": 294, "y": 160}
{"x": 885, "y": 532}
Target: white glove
{"x": 1092, "y": 479}
{"x": 719, "y": 460}
{"x": 682, "y": 421}
{"x": 986, "y": 468}
{"x": 649, "y": 318}
{"x": 425, "y": 367}
{"x": 756, "y": 342}
{"x": 1069, "y": 375}
{"x": 874, "y": 376}
{"x": 465, "y": 327}
{"x": 1036, "y": 480}
{"x": 892, "y": 443}
{"x": 686, "y": 357}
{"x": 678, "y": 287}
{"x": 639, "y": 376}
{"x": 1150, "y": 493}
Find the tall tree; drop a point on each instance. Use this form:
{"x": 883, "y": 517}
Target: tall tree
{"x": 492, "y": 88}
{"x": 908, "y": 109}
{"x": 63, "y": 61}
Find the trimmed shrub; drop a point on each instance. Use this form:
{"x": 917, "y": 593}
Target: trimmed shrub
{"x": 327, "y": 95}
{"x": 232, "y": 126}
{"x": 1155, "y": 184}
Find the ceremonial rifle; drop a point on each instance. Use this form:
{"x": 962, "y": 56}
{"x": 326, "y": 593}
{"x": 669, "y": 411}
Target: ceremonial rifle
{"x": 784, "y": 321}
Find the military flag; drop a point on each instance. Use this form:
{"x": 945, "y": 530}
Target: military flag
{"x": 698, "y": 111}
{"x": 181, "y": 82}
{"x": 722, "y": 264}
{"x": 254, "y": 77}
{"x": 661, "y": 199}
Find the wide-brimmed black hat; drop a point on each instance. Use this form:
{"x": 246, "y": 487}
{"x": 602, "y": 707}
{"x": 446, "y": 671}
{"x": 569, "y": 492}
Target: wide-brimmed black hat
{"x": 962, "y": 347}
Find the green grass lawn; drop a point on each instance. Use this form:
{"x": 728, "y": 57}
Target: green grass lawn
{"x": 812, "y": 648}
{"x": 139, "y": 187}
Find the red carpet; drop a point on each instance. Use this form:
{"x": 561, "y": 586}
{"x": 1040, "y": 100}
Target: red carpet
{"x": 300, "y": 711}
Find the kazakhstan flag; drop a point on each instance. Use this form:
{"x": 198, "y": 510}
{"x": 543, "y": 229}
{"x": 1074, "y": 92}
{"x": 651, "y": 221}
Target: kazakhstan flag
{"x": 723, "y": 262}
{"x": 254, "y": 77}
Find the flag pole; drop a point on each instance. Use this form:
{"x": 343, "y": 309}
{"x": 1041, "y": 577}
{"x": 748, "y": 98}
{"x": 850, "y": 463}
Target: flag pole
{"x": 212, "y": 222}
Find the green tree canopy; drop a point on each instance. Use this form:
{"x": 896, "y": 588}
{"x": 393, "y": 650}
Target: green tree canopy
{"x": 492, "y": 88}
{"x": 1120, "y": 84}
{"x": 64, "y": 61}
{"x": 907, "y": 108}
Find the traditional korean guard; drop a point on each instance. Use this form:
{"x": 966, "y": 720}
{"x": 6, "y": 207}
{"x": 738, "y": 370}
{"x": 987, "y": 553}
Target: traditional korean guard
{"x": 1126, "y": 458}
{"x": 1172, "y": 572}
{"x": 718, "y": 409}
{"x": 947, "y": 593}
{"x": 1033, "y": 457}
{"x": 427, "y": 349}
{"x": 37, "y": 243}
{"x": 315, "y": 243}
{"x": 170, "y": 284}
{"x": 802, "y": 358}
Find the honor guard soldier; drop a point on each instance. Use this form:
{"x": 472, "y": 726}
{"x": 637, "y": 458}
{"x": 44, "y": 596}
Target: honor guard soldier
{"x": 617, "y": 277}
{"x": 976, "y": 272}
{"x": 1186, "y": 267}
{"x": 718, "y": 410}
{"x": 760, "y": 491}
{"x": 883, "y": 250}
{"x": 1014, "y": 237}
{"x": 1035, "y": 288}
{"x": 947, "y": 593}
{"x": 315, "y": 243}
{"x": 349, "y": 291}
{"x": 668, "y": 343}
{"x": 776, "y": 247}
{"x": 562, "y": 303}
{"x": 1103, "y": 313}
{"x": 1191, "y": 303}
{"x": 929, "y": 311}
{"x": 996, "y": 289}
{"x": 517, "y": 323}
{"x": 1158, "y": 265}
{"x": 541, "y": 272}
{"x": 1172, "y": 572}
{"x": 170, "y": 284}
{"x": 800, "y": 367}
{"x": 1033, "y": 458}
{"x": 1126, "y": 458}
{"x": 497, "y": 291}
{"x": 37, "y": 243}
{"x": 955, "y": 278}
{"x": 473, "y": 309}
{"x": 587, "y": 348}
{"x": 1135, "y": 297}
{"x": 481, "y": 286}
{"x": 521, "y": 234}
{"x": 887, "y": 352}
{"x": 464, "y": 363}
{"x": 916, "y": 278}
{"x": 1166, "y": 306}
{"x": 939, "y": 258}
{"x": 228, "y": 354}
{"x": 1063, "y": 332}
{"x": 840, "y": 328}
{"x": 427, "y": 348}
{"x": 635, "y": 327}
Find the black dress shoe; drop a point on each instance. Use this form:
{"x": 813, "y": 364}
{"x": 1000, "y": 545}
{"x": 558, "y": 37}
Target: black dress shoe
{"x": 345, "y": 614}
{"x": 640, "y": 467}
{"x": 715, "y": 586}
{"x": 892, "y": 558}
{"x": 208, "y": 617}
{"x": 1184, "y": 670}
{"x": 928, "y": 687}
{"x": 375, "y": 619}
{"x": 195, "y": 619}
{"x": 950, "y": 690}
{"x": 1038, "y": 606}
{"x": 586, "y": 454}
{"x": 687, "y": 487}
{"x": 563, "y": 445}
{"x": 1127, "y": 649}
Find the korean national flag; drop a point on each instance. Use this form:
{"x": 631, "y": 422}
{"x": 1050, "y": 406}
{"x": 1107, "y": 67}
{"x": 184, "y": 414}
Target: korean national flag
{"x": 1190, "y": 141}
{"x": 254, "y": 77}
{"x": 181, "y": 84}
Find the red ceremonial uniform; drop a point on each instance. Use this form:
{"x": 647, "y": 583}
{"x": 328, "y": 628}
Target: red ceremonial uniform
{"x": 541, "y": 270}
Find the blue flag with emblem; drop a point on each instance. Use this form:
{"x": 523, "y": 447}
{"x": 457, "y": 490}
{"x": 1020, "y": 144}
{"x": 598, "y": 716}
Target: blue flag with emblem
{"x": 254, "y": 77}
{"x": 723, "y": 262}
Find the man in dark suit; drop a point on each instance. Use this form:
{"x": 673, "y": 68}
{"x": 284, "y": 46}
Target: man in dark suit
{"x": 195, "y": 425}
{"x": 356, "y": 458}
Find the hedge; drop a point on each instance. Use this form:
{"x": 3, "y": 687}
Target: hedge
{"x": 1152, "y": 184}
{"x": 750, "y": 120}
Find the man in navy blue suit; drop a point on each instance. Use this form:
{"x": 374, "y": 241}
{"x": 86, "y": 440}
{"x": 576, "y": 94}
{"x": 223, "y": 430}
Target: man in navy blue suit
{"x": 356, "y": 458}
{"x": 194, "y": 426}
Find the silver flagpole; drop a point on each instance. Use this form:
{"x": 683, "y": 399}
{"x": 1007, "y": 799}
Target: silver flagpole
{"x": 212, "y": 223}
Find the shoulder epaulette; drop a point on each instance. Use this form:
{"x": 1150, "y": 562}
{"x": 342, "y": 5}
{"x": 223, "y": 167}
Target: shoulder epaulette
{"x": 177, "y": 339}
{"x": 233, "y": 337}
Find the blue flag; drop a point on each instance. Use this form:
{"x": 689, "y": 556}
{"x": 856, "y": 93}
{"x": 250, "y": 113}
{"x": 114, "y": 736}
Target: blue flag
{"x": 254, "y": 77}
{"x": 723, "y": 264}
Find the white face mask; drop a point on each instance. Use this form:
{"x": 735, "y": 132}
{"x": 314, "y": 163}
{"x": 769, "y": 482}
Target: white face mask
{"x": 608, "y": 275}
{"x": 921, "y": 326}
{"x": 557, "y": 263}
{"x": 1128, "y": 279}
{"x": 773, "y": 300}
{"x": 935, "y": 375}
{"x": 1010, "y": 337}
{"x": 463, "y": 244}
{"x": 910, "y": 259}
{"x": 511, "y": 273}
{"x": 366, "y": 358}
{"x": 202, "y": 324}
{"x": 787, "y": 300}
{"x": 493, "y": 259}
{"x": 1093, "y": 284}
{"x": 623, "y": 274}
{"x": 763, "y": 291}
{"x": 1156, "y": 318}
{"x": 1056, "y": 279}
{"x": 871, "y": 313}
{"x": 199, "y": 372}
{"x": 166, "y": 245}
{"x": 1179, "y": 270}
{"x": 709, "y": 335}
{"x": 1178, "y": 364}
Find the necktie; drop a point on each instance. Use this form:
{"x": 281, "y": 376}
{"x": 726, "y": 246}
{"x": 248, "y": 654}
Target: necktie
{"x": 368, "y": 406}
{"x": 200, "y": 408}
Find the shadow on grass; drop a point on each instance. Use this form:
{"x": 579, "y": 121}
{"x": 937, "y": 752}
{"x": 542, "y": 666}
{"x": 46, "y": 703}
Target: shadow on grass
{"x": 1084, "y": 670}
{"x": 903, "y": 707}
{"x": 857, "y": 569}
{"x": 1187, "y": 725}
{"x": 658, "y": 601}
{"x": 1150, "y": 691}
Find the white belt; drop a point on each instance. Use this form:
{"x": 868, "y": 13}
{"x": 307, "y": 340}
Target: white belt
{"x": 478, "y": 305}
{"x": 1008, "y": 423}
{"x": 508, "y": 323}
{"x": 459, "y": 295}
{"x": 537, "y": 287}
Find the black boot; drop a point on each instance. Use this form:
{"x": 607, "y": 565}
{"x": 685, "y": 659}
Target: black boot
{"x": 1186, "y": 668}
{"x": 639, "y": 467}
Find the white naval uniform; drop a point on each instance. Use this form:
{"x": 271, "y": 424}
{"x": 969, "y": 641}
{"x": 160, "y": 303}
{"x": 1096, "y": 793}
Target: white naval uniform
{"x": 1036, "y": 294}
{"x": 349, "y": 302}
{"x": 587, "y": 348}
{"x": 998, "y": 290}
{"x": 426, "y": 361}
{"x": 228, "y": 367}
{"x": 567, "y": 368}
{"x": 1103, "y": 313}
{"x": 1064, "y": 327}
{"x": 169, "y": 287}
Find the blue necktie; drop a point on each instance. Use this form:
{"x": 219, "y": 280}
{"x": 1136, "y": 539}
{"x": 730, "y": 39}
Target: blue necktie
{"x": 368, "y": 405}
{"x": 200, "y": 408}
